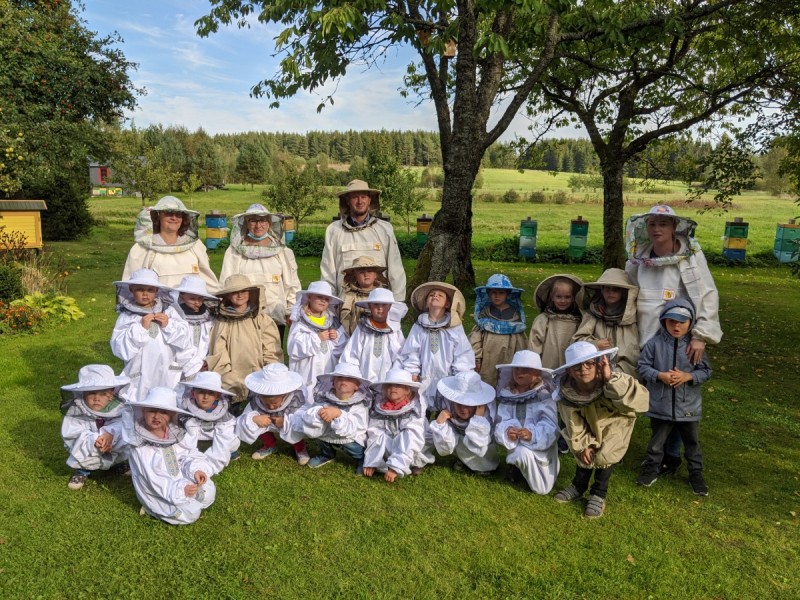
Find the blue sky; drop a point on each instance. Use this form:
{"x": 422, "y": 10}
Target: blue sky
{"x": 205, "y": 82}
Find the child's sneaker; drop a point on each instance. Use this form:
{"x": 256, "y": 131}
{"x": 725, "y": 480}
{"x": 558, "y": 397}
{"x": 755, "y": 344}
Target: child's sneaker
{"x": 122, "y": 468}
{"x": 670, "y": 465}
{"x": 698, "y": 484}
{"x": 563, "y": 447}
{"x": 76, "y": 481}
{"x": 417, "y": 470}
{"x": 318, "y": 461}
{"x": 235, "y": 455}
{"x": 595, "y": 507}
{"x": 263, "y": 453}
{"x": 514, "y": 475}
{"x": 647, "y": 478}
{"x": 302, "y": 457}
{"x": 360, "y": 469}
{"x": 568, "y": 494}
{"x": 460, "y": 467}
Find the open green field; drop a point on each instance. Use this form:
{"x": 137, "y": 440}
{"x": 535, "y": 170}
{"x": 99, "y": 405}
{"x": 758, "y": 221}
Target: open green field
{"x": 493, "y": 220}
{"x": 280, "y": 530}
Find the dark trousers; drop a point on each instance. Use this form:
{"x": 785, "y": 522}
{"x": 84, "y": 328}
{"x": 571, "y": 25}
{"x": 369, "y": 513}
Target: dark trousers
{"x": 355, "y": 451}
{"x": 689, "y": 432}
{"x": 601, "y": 479}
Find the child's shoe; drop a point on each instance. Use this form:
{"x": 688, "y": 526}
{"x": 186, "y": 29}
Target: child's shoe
{"x": 595, "y": 507}
{"x": 647, "y": 478}
{"x": 563, "y": 447}
{"x": 263, "y": 453}
{"x": 568, "y": 494}
{"x": 698, "y": 484}
{"x": 302, "y": 457}
{"x": 460, "y": 467}
{"x": 318, "y": 461}
{"x": 670, "y": 465}
{"x": 235, "y": 455}
{"x": 417, "y": 470}
{"x": 514, "y": 475}
{"x": 360, "y": 469}
{"x": 77, "y": 480}
{"x": 122, "y": 468}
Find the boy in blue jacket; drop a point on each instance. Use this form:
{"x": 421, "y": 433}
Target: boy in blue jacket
{"x": 675, "y": 385}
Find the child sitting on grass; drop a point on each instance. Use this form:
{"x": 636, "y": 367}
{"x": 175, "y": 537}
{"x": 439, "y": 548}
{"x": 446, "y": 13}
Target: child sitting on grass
{"x": 499, "y": 329}
{"x": 527, "y": 425}
{"x": 207, "y": 402}
{"x": 360, "y": 279}
{"x": 609, "y": 319}
{"x": 87, "y": 406}
{"x": 148, "y": 335}
{"x": 378, "y": 338}
{"x": 675, "y": 386}
{"x": 170, "y": 475}
{"x": 276, "y": 393}
{"x": 598, "y": 406}
{"x": 316, "y": 338}
{"x": 436, "y": 346}
{"x": 196, "y": 307}
{"x": 464, "y": 425}
{"x": 396, "y": 430}
{"x": 244, "y": 338}
{"x": 338, "y": 418}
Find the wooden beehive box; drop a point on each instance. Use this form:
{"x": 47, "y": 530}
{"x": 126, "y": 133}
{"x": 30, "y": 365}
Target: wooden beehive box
{"x": 23, "y": 216}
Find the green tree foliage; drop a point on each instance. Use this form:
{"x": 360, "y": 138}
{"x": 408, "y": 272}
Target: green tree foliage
{"x": 142, "y": 168}
{"x": 58, "y": 83}
{"x": 295, "y": 191}
{"x": 207, "y": 163}
{"x": 252, "y": 164}
{"x": 682, "y": 66}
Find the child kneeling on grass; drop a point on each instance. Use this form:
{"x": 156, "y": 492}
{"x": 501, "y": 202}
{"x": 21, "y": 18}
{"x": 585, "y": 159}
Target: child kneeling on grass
{"x": 598, "y": 406}
{"x": 276, "y": 393}
{"x": 87, "y": 406}
{"x": 396, "y": 430}
{"x": 208, "y": 403}
{"x": 338, "y": 418}
{"x": 170, "y": 475}
{"x": 527, "y": 425}
{"x": 676, "y": 401}
{"x": 464, "y": 425}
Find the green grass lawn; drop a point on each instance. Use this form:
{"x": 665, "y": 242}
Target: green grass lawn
{"x": 280, "y": 530}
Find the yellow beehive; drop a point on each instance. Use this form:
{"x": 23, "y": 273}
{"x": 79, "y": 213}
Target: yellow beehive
{"x": 23, "y": 217}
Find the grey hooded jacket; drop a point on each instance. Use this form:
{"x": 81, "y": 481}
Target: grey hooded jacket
{"x": 661, "y": 353}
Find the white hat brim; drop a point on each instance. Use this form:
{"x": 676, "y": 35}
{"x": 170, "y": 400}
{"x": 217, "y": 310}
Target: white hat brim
{"x": 291, "y": 382}
{"x": 610, "y": 352}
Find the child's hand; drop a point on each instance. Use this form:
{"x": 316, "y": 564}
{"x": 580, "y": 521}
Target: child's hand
{"x": 262, "y": 420}
{"x": 103, "y": 442}
{"x": 524, "y": 434}
{"x": 368, "y": 471}
{"x": 146, "y": 320}
{"x": 677, "y": 378}
{"x": 190, "y": 490}
{"x": 325, "y": 335}
{"x": 390, "y": 476}
{"x": 161, "y": 318}
{"x": 480, "y": 410}
{"x": 695, "y": 351}
{"x": 332, "y": 334}
{"x": 478, "y": 366}
{"x": 329, "y": 413}
{"x": 415, "y": 378}
{"x": 442, "y": 417}
{"x": 664, "y": 378}
{"x": 512, "y": 433}
{"x": 587, "y": 456}
{"x": 204, "y": 367}
{"x": 278, "y": 422}
{"x": 200, "y": 477}
{"x": 604, "y": 366}
{"x": 603, "y": 344}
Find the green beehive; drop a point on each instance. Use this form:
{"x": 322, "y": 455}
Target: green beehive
{"x": 578, "y": 235}
{"x": 734, "y": 243}
{"x": 787, "y": 236}
{"x": 527, "y": 238}
{"x": 423, "y": 227}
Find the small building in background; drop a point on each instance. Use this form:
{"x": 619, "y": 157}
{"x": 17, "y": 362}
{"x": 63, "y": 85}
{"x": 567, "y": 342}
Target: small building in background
{"x": 102, "y": 179}
{"x": 22, "y": 218}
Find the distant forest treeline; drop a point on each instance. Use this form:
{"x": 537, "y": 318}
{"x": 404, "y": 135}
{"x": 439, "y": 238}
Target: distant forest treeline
{"x": 411, "y": 148}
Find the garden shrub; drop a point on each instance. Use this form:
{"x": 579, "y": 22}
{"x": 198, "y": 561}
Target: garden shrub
{"x": 10, "y": 282}
{"x": 537, "y": 197}
{"x": 560, "y": 197}
{"x": 19, "y": 319}
{"x": 51, "y": 306}
{"x": 511, "y": 197}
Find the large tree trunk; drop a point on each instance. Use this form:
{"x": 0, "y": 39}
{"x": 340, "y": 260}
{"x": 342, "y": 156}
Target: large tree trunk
{"x": 449, "y": 245}
{"x": 613, "y": 226}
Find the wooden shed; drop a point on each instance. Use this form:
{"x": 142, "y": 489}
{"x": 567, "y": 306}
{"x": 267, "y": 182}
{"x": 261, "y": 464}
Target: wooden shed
{"x": 25, "y": 217}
